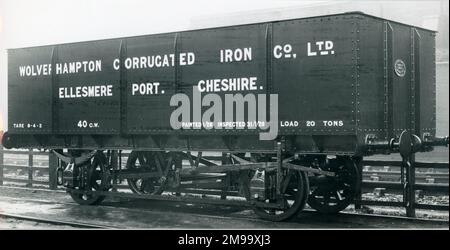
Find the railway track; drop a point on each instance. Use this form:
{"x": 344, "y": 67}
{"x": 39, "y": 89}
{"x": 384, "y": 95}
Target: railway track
{"x": 77, "y": 225}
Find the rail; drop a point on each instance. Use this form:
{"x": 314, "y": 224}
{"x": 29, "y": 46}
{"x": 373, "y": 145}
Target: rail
{"x": 391, "y": 178}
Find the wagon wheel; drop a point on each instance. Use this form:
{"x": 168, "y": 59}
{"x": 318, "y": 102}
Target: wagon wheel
{"x": 99, "y": 180}
{"x": 148, "y": 162}
{"x": 293, "y": 197}
{"x": 338, "y": 192}
{"x": 294, "y": 193}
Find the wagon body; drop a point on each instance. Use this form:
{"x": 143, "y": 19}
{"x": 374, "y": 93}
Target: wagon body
{"x": 339, "y": 79}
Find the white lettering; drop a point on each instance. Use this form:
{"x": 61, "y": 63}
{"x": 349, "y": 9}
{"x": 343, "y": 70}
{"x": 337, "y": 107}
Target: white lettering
{"x": 35, "y": 70}
{"x": 228, "y": 84}
{"x": 236, "y": 55}
{"x": 311, "y": 53}
{"x": 85, "y": 91}
{"x": 116, "y": 64}
{"x": 145, "y": 88}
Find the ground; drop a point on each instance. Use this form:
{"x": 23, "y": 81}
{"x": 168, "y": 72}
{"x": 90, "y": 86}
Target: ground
{"x": 162, "y": 214}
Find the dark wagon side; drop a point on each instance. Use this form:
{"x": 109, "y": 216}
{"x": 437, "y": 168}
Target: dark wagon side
{"x": 348, "y": 85}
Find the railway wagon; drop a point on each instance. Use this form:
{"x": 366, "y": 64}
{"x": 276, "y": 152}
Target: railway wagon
{"x": 290, "y": 106}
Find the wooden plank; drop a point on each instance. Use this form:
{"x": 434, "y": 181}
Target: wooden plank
{"x": 7, "y": 179}
{"x": 434, "y": 187}
{"x": 358, "y": 196}
{"x": 432, "y": 207}
{"x": 40, "y": 168}
{"x": 441, "y": 165}
{"x": 1, "y": 165}
{"x": 52, "y": 168}
{"x": 410, "y": 184}
{"x": 30, "y": 169}
{"x": 382, "y": 184}
{"x": 382, "y": 203}
{"x": 15, "y": 152}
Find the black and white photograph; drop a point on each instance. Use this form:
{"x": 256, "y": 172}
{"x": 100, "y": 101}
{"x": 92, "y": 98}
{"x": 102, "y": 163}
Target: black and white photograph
{"x": 224, "y": 116}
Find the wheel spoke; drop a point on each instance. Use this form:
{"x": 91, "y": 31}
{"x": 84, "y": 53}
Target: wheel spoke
{"x": 141, "y": 160}
{"x": 285, "y": 183}
{"x": 143, "y": 185}
{"x": 338, "y": 196}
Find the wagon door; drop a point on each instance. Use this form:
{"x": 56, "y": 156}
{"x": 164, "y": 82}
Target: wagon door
{"x": 409, "y": 79}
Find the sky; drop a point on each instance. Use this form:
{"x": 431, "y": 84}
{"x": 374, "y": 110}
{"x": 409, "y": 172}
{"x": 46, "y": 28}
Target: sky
{"x": 32, "y": 23}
